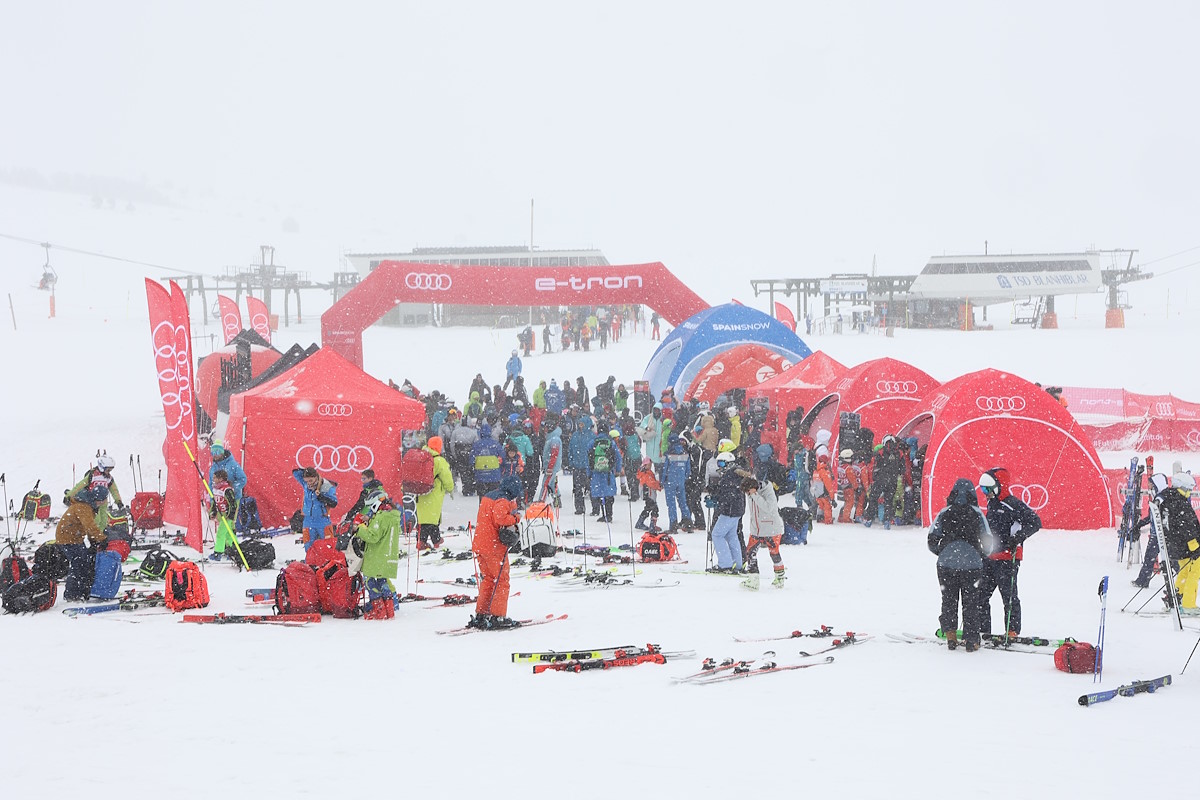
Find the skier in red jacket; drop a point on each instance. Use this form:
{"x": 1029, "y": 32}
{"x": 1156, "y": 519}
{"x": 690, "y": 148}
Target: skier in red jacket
{"x": 495, "y": 532}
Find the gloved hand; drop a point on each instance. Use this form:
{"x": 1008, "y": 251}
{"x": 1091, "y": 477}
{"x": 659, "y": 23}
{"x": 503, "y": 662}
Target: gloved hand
{"x": 710, "y": 501}
{"x": 359, "y": 519}
{"x": 1193, "y": 546}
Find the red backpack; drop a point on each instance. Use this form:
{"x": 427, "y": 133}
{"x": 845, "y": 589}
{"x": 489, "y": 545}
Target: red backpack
{"x": 340, "y": 594}
{"x": 13, "y": 570}
{"x": 186, "y": 586}
{"x": 416, "y": 471}
{"x": 658, "y": 547}
{"x": 322, "y": 551}
{"x": 296, "y": 590}
{"x": 1075, "y": 657}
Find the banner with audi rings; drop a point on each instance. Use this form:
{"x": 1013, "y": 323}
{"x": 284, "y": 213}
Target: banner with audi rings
{"x": 393, "y": 282}
{"x": 1119, "y": 420}
{"x": 260, "y": 317}
{"x": 231, "y": 317}
{"x": 171, "y": 344}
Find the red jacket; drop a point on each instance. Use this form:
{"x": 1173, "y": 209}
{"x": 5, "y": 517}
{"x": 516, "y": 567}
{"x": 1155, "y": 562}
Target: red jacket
{"x": 494, "y": 513}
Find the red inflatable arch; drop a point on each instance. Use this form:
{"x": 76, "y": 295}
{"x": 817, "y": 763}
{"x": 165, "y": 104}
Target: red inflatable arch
{"x": 394, "y": 282}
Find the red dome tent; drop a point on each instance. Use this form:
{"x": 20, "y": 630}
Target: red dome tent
{"x": 739, "y": 367}
{"x": 324, "y": 413}
{"x": 991, "y": 419}
{"x": 884, "y": 393}
{"x": 800, "y": 385}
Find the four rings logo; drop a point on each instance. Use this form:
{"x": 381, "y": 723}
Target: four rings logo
{"x": 335, "y": 457}
{"x": 335, "y": 409}
{"x": 1000, "y": 404}
{"x": 1034, "y": 495}
{"x": 424, "y": 280}
{"x": 1164, "y": 409}
{"x": 232, "y": 324}
{"x": 173, "y": 361}
{"x": 260, "y": 325}
{"x": 896, "y": 387}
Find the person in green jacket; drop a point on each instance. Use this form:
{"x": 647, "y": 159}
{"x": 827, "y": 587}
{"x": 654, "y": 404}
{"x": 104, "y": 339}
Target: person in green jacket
{"x": 95, "y": 478}
{"x": 429, "y": 505}
{"x": 380, "y": 526}
{"x": 539, "y": 395}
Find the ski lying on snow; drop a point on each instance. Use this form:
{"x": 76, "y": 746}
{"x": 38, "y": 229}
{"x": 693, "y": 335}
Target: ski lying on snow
{"x": 710, "y": 666}
{"x": 525, "y": 623}
{"x": 1001, "y": 640}
{"x": 552, "y": 656}
{"x": 621, "y": 660}
{"x": 1128, "y": 690}
{"x": 766, "y": 668}
{"x": 837, "y": 644}
{"x": 985, "y": 644}
{"x": 256, "y": 619}
{"x": 823, "y": 632}
{"x": 608, "y": 582}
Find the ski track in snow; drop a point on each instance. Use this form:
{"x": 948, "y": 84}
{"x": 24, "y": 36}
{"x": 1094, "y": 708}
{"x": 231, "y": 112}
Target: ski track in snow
{"x": 259, "y": 711}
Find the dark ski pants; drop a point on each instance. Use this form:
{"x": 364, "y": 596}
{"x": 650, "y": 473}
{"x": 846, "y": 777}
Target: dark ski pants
{"x": 960, "y": 585}
{"x": 695, "y": 503}
{"x": 80, "y": 573}
{"x": 579, "y": 483}
{"x": 1148, "y": 560}
{"x": 999, "y": 574}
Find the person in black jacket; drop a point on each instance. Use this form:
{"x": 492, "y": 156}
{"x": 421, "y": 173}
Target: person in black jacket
{"x": 1011, "y": 522}
{"x": 369, "y": 484}
{"x": 730, "y": 504}
{"x": 1181, "y": 532}
{"x": 961, "y": 540}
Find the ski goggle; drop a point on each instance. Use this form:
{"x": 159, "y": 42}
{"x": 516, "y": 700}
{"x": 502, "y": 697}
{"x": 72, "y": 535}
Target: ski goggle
{"x": 987, "y": 484}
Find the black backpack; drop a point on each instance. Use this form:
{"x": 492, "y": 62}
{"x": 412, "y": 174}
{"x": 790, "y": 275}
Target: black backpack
{"x": 49, "y": 560}
{"x": 259, "y": 554}
{"x": 247, "y": 516}
{"x": 35, "y": 593}
{"x": 155, "y": 563}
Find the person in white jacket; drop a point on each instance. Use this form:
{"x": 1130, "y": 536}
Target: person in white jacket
{"x": 762, "y": 525}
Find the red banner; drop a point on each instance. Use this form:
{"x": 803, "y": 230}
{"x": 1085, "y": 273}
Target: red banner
{"x": 785, "y": 315}
{"x": 171, "y": 343}
{"x": 260, "y": 317}
{"x": 231, "y": 317}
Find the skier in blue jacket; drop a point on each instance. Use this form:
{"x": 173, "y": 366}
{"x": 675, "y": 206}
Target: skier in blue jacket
{"x": 486, "y": 455}
{"x": 320, "y": 497}
{"x": 512, "y": 368}
{"x": 578, "y": 452}
{"x": 223, "y": 459}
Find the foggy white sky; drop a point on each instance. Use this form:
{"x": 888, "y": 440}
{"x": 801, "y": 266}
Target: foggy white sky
{"x": 726, "y": 140}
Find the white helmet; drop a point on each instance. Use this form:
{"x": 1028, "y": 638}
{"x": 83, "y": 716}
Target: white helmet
{"x": 375, "y": 501}
{"x": 105, "y": 461}
{"x": 732, "y": 411}
{"x": 724, "y": 458}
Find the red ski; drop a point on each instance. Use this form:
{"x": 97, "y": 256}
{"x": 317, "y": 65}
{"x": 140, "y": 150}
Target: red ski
{"x": 525, "y": 623}
{"x": 255, "y": 619}
{"x": 822, "y": 633}
{"x": 625, "y": 660}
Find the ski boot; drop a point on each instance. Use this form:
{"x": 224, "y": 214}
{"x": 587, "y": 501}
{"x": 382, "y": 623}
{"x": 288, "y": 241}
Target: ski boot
{"x": 504, "y": 623}
{"x": 780, "y": 577}
{"x": 482, "y": 622}
{"x": 381, "y": 608}
{"x": 970, "y": 647}
{"x": 751, "y": 582}
{"x": 951, "y": 640}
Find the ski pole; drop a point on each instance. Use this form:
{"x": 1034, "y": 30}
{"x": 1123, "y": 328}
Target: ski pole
{"x": 7, "y": 526}
{"x": 1189, "y": 658}
{"x": 141, "y": 479}
{"x": 220, "y": 517}
{"x": 1103, "y": 592}
{"x": 133, "y": 473}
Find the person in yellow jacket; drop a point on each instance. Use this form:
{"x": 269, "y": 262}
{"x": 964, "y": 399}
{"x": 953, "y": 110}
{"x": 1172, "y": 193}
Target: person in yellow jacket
{"x": 429, "y": 505}
{"x": 735, "y": 427}
{"x": 99, "y": 476}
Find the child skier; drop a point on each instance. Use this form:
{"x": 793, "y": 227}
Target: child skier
{"x": 379, "y": 526}
{"x": 223, "y": 509}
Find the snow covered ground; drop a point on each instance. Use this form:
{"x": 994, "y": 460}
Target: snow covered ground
{"x": 117, "y": 709}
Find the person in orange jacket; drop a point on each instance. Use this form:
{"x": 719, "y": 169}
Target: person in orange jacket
{"x": 850, "y": 482}
{"x": 495, "y": 532}
{"x": 825, "y": 499}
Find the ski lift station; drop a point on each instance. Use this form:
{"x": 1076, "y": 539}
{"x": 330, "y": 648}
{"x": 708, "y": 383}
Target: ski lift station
{"x": 950, "y": 287}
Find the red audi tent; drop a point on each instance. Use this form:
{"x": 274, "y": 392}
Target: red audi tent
{"x": 324, "y": 413}
{"x": 739, "y": 367}
{"x": 884, "y": 393}
{"x": 798, "y": 386}
{"x": 991, "y": 419}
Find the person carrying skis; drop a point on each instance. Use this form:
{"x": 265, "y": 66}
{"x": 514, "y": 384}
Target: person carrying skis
{"x": 762, "y": 525}
{"x": 77, "y": 523}
{"x": 960, "y": 538}
{"x": 379, "y": 527}
{"x": 222, "y": 459}
{"x": 1011, "y": 523}
{"x": 495, "y": 532}
{"x": 222, "y": 509}
{"x": 99, "y": 476}
{"x": 429, "y": 505}
{"x": 1181, "y": 532}
{"x": 320, "y": 497}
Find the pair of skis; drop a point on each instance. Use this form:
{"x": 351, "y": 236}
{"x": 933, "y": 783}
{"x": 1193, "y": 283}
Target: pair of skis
{"x": 822, "y": 632}
{"x": 730, "y": 670}
{"x": 285, "y": 620}
{"x": 555, "y": 656}
{"x": 525, "y": 623}
{"x": 619, "y": 659}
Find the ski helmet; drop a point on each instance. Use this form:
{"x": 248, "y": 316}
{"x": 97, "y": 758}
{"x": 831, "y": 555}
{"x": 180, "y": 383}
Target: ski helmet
{"x": 375, "y": 501}
{"x": 105, "y": 461}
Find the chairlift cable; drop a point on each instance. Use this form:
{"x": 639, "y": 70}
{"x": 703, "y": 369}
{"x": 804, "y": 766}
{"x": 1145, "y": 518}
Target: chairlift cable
{"x": 48, "y": 245}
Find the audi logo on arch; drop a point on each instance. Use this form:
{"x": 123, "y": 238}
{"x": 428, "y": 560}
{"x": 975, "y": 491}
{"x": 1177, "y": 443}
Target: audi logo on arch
{"x": 896, "y": 387}
{"x": 1033, "y": 495}
{"x": 1164, "y": 409}
{"x": 1001, "y": 405}
{"x": 335, "y": 457}
{"x": 335, "y": 409}
{"x": 438, "y": 282}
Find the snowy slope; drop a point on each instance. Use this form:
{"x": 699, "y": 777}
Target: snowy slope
{"x": 256, "y": 711}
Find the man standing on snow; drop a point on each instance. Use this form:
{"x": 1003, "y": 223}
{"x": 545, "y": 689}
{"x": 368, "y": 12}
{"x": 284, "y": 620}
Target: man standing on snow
{"x": 495, "y": 532}
{"x": 961, "y": 540}
{"x": 1011, "y": 522}
{"x": 512, "y": 368}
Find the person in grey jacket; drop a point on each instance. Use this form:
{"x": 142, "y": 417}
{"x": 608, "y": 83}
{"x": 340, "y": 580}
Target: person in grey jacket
{"x": 961, "y": 539}
{"x": 763, "y": 526}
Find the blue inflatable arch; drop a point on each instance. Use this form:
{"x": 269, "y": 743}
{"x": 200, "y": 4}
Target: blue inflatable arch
{"x": 714, "y": 330}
